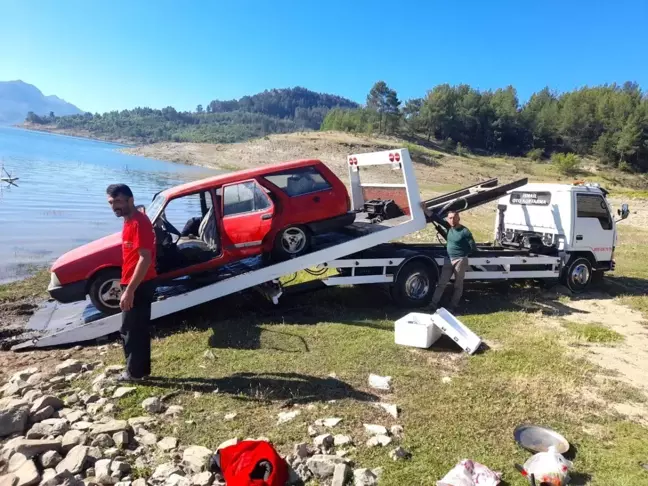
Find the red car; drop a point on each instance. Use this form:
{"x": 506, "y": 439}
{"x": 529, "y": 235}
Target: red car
{"x": 274, "y": 211}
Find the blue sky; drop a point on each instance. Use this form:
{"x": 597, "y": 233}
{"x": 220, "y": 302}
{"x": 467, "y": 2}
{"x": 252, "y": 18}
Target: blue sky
{"x": 115, "y": 54}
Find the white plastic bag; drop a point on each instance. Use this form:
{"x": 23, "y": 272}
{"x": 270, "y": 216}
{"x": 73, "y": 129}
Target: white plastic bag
{"x": 470, "y": 473}
{"x": 549, "y": 467}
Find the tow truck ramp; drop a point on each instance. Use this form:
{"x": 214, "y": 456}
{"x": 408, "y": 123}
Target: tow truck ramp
{"x": 361, "y": 253}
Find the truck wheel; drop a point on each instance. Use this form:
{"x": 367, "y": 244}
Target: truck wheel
{"x": 414, "y": 285}
{"x": 578, "y": 274}
{"x": 105, "y": 291}
{"x": 291, "y": 242}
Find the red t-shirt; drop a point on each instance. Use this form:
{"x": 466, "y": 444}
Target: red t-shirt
{"x": 137, "y": 233}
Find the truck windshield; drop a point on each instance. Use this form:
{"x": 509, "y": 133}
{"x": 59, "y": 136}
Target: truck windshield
{"x": 155, "y": 206}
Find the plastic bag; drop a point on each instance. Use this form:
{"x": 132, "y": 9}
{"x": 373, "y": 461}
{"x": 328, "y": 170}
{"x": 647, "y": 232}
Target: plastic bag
{"x": 548, "y": 467}
{"x": 470, "y": 473}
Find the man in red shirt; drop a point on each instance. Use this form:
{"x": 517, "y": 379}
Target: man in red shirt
{"x": 137, "y": 281}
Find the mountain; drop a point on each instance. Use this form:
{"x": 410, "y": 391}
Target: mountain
{"x": 18, "y": 98}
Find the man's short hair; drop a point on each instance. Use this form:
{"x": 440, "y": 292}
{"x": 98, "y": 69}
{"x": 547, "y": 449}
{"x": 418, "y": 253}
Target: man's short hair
{"x": 114, "y": 190}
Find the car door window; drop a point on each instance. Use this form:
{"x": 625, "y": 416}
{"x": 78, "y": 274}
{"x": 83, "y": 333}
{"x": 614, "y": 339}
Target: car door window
{"x": 593, "y": 206}
{"x": 245, "y": 197}
{"x": 299, "y": 181}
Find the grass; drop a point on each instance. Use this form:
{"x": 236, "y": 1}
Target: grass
{"x": 620, "y": 392}
{"x": 593, "y": 332}
{"x": 35, "y": 286}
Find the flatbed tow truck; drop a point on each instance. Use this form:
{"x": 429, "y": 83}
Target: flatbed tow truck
{"x": 363, "y": 253}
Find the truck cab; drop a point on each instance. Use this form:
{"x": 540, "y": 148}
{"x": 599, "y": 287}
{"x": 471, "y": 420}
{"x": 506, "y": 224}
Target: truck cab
{"x": 574, "y": 220}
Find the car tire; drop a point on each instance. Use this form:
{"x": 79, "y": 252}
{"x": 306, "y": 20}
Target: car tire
{"x": 414, "y": 285}
{"x": 578, "y": 275}
{"x": 291, "y": 242}
{"x": 105, "y": 291}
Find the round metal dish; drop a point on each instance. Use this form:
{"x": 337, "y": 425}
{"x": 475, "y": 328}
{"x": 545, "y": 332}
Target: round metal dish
{"x": 538, "y": 439}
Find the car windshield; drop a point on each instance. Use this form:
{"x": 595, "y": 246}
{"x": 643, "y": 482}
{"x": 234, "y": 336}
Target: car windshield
{"x": 155, "y": 206}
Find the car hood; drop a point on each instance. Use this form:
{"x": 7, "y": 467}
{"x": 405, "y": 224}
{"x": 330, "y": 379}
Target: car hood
{"x": 107, "y": 243}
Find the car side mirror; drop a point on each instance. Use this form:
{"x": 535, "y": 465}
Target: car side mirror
{"x": 624, "y": 212}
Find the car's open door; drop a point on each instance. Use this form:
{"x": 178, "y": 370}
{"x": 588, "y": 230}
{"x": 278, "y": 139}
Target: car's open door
{"x": 247, "y": 217}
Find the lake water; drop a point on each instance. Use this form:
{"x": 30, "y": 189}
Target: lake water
{"x": 60, "y": 202}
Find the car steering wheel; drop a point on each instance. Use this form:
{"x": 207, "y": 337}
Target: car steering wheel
{"x": 169, "y": 228}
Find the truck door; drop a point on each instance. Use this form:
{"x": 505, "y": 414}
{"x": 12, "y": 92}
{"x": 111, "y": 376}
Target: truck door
{"x": 593, "y": 226}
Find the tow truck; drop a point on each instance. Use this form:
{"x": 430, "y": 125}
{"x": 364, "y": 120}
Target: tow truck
{"x": 542, "y": 231}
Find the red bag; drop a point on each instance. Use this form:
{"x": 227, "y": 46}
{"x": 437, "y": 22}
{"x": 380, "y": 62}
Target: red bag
{"x": 252, "y": 463}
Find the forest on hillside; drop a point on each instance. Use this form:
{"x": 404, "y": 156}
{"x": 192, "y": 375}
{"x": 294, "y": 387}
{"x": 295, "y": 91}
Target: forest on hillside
{"x": 273, "y": 111}
{"x": 609, "y": 122}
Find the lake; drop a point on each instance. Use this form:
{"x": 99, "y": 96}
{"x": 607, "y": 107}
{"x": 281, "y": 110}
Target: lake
{"x": 60, "y": 202}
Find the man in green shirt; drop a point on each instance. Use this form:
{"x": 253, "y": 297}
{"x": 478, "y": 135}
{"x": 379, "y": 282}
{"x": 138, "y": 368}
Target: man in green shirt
{"x": 460, "y": 245}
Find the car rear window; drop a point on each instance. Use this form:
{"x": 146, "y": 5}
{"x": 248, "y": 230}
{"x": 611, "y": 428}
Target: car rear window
{"x": 299, "y": 181}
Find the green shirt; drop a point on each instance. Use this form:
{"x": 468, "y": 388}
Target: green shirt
{"x": 460, "y": 242}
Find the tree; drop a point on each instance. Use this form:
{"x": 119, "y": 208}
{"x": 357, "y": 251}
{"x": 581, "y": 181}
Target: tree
{"x": 199, "y": 109}
{"x": 51, "y": 115}
{"x": 629, "y": 139}
{"x": 385, "y": 102}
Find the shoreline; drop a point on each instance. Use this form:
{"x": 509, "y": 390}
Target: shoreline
{"x": 66, "y": 132}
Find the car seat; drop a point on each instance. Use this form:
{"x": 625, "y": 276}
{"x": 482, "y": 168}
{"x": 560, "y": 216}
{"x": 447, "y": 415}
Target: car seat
{"x": 299, "y": 184}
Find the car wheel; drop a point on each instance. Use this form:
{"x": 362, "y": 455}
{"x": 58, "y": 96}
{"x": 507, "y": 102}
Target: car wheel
{"x": 414, "y": 285}
{"x": 578, "y": 275}
{"x": 291, "y": 242}
{"x": 105, "y": 291}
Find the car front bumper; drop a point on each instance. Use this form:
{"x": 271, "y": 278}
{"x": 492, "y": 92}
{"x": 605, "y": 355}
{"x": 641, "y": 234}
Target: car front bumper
{"x": 66, "y": 293}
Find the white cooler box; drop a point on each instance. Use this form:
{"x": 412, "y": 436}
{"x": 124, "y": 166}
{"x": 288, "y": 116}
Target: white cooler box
{"x": 457, "y": 330}
{"x": 417, "y": 330}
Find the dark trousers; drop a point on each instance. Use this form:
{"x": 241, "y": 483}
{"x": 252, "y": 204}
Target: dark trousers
{"x": 135, "y": 333}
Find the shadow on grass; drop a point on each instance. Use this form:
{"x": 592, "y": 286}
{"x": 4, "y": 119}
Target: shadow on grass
{"x": 289, "y": 387}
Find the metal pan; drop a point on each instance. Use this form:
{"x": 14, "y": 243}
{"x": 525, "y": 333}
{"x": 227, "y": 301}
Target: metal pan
{"x": 538, "y": 439}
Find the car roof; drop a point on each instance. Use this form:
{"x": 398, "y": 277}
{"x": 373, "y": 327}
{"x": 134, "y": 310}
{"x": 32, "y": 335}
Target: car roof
{"x": 229, "y": 177}
{"x": 549, "y": 187}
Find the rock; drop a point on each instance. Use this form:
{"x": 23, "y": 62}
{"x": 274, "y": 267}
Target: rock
{"x": 50, "y": 459}
{"x": 284, "y": 417}
{"x": 120, "y": 467}
{"x": 227, "y": 443}
{"x": 16, "y": 461}
{"x": 74, "y": 416}
{"x": 48, "y": 478}
{"x": 163, "y": 471}
{"x": 340, "y": 474}
{"x": 73, "y": 438}
{"x": 32, "y": 448}
{"x": 91, "y": 398}
{"x": 102, "y": 471}
{"x": 111, "y": 453}
{"x": 15, "y": 388}
{"x": 379, "y": 440}
{"x": 141, "y": 421}
{"x": 202, "y": 479}
{"x": 209, "y": 354}
{"x": 167, "y": 444}
{"x": 123, "y": 483}
{"x": 329, "y": 422}
{"x": 113, "y": 370}
{"x": 342, "y": 440}
{"x": 372, "y": 429}
{"x": 196, "y": 458}
{"x": 58, "y": 426}
{"x": 380, "y": 382}
{"x": 36, "y": 379}
{"x": 446, "y": 380}
{"x": 174, "y": 411}
{"x": 120, "y": 439}
{"x": 364, "y": 477}
{"x": 27, "y": 474}
{"x": 323, "y": 466}
{"x": 42, "y": 414}
{"x": 74, "y": 461}
{"x": 8, "y": 480}
{"x": 38, "y": 431}
{"x": 139, "y": 482}
{"x": 94, "y": 454}
{"x": 230, "y": 416}
{"x": 153, "y": 405}
{"x": 390, "y": 409}
{"x": 110, "y": 428}
{"x": 68, "y": 366}
{"x": 303, "y": 450}
{"x": 82, "y": 425}
{"x": 124, "y": 391}
{"x": 102, "y": 440}
{"x": 46, "y": 401}
{"x": 72, "y": 400}
{"x": 397, "y": 430}
{"x": 177, "y": 480}
{"x": 399, "y": 454}
{"x": 57, "y": 380}
{"x": 312, "y": 431}
{"x": 324, "y": 440}
{"x": 32, "y": 395}
{"x": 13, "y": 416}
{"x": 145, "y": 437}
{"x": 377, "y": 471}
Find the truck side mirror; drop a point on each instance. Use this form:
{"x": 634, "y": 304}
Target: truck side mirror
{"x": 624, "y": 212}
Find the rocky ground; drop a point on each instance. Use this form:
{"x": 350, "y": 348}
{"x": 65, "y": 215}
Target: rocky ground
{"x": 56, "y": 432}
